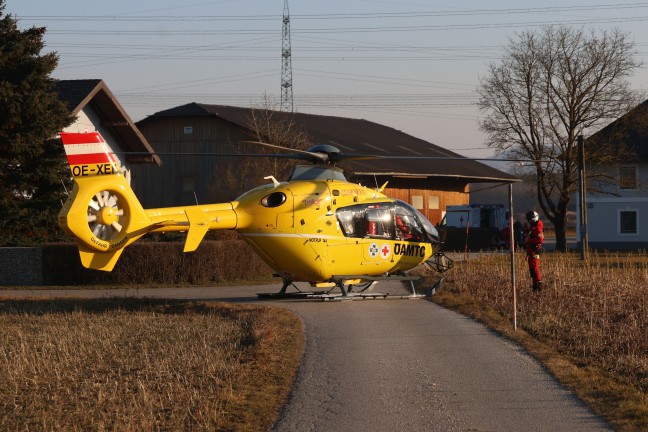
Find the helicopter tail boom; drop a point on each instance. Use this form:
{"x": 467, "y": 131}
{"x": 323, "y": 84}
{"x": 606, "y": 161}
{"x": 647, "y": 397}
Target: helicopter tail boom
{"x": 104, "y": 215}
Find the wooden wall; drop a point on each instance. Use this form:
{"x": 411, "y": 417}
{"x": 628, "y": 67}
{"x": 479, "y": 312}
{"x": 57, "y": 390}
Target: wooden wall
{"x": 431, "y": 202}
{"x": 181, "y": 180}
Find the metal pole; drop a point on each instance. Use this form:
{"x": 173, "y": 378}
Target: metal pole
{"x": 582, "y": 189}
{"x": 512, "y": 254}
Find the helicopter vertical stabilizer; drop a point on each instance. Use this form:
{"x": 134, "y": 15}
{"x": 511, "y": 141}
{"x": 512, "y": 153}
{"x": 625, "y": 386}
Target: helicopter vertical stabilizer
{"x": 89, "y": 155}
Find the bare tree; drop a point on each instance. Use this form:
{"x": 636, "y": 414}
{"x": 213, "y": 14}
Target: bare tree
{"x": 265, "y": 124}
{"x": 279, "y": 128}
{"x": 550, "y": 87}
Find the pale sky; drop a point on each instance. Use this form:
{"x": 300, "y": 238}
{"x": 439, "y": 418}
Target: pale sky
{"x": 411, "y": 65}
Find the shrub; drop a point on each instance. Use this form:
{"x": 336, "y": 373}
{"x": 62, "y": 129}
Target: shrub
{"x": 158, "y": 263}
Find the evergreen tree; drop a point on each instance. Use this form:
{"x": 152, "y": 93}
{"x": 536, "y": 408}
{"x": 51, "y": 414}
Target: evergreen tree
{"x": 32, "y": 161}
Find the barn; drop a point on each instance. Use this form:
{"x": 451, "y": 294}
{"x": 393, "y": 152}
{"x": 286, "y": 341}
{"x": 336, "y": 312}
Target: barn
{"x": 208, "y": 130}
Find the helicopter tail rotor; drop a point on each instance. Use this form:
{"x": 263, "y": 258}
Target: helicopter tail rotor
{"x": 104, "y": 216}
{"x": 102, "y": 213}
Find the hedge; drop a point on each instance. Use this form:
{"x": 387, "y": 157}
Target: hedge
{"x": 158, "y": 263}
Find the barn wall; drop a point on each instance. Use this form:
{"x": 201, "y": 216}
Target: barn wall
{"x": 431, "y": 202}
{"x": 183, "y": 180}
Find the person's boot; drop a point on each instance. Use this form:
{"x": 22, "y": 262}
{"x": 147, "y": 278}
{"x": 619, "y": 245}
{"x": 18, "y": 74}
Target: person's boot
{"x": 537, "y": 286}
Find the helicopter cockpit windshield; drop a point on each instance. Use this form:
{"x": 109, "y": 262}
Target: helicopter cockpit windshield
{"x": 389, "y": 220}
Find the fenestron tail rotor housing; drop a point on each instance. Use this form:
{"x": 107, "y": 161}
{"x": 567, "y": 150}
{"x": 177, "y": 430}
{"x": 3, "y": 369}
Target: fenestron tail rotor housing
{"x": 105, "y": 217}
{"x": 103, "y": 213}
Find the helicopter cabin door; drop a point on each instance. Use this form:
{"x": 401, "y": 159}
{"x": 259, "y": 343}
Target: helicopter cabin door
{"x": 386, "y": 233}
{"x": 369, "y": 233}
{"x": 313, "y": 224}
{"x": 378, "y": 227}
{"x": 272, "y": 235}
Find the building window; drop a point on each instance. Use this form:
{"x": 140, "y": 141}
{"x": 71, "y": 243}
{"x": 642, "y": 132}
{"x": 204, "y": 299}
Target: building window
{"x": 628, "y": 177}
{"x": 417, "y": 202}
{"x": 188, "y": 130}
{"x": 433, "y": 202}
{"x": 628, "y": 222}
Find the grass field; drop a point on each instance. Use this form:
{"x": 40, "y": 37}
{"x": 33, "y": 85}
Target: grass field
{"x": 589, "y": 325}
{"x": 142, "y": 365}
{"x": 128, "y": 364}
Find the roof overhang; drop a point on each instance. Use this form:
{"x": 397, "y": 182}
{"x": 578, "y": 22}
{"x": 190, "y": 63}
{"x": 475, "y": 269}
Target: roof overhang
{"x": 467, "y": 178}
{"x": 95, "y": 93}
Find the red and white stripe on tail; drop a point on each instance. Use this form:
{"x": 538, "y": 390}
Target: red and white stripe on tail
{"x": 89, "y": 155}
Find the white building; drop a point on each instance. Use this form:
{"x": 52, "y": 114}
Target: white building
{"x": 97, "y": 110}
{"x": 617, "y": 214}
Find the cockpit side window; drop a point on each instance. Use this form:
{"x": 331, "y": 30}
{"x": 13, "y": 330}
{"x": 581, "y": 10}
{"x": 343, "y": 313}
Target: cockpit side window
{"x": 407, "y": 225}
{"x": 349, "y": 219}
{"x": 398, "y": 221}
{"x": 375, "y": 221}
{"x": 379, "y": 222}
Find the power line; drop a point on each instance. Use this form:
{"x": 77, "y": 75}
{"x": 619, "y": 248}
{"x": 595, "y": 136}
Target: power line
{"x": 354, "y": 29}
{"x": 377, "y": 15}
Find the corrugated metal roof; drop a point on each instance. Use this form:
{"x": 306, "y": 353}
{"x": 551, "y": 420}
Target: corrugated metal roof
{"x": 94, "y": 92}
{"x": 362, "y": 137}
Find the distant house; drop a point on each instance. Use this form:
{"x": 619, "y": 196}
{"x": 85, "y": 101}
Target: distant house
{"x": 97, "y": 110}
{"x": 617, "y": 215}
{"x": 429, "y": 185}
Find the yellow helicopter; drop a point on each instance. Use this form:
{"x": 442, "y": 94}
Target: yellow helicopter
{"x": 316, "y": 227}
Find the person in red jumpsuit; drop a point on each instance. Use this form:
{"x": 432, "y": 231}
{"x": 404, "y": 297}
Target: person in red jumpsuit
{"x": 533, "y": 244}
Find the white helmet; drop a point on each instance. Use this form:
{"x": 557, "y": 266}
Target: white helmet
{"x": 532, "y": 217}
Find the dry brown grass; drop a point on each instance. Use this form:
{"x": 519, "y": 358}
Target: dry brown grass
{"x": 144, "y": 365}
{"x": 589, "y": 325}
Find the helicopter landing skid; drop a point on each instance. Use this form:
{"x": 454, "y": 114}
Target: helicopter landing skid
{"x": 290, "y": 295}
{"x": 359, "y": 296}
{"x": 282, "y": 294}
{"x": 347, "y": 291}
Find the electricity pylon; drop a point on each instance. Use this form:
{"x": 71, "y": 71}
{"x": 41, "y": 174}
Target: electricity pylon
{"x": 286, "y": 65}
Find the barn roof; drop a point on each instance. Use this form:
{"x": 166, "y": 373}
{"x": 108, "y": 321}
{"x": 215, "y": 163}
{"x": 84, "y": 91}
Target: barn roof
{"x": 362, "y": 137}
{"x": 77, "y": 94}
{"x": 629, "y": 132}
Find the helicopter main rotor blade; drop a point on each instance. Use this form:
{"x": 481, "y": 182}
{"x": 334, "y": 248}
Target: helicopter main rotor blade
{"x": 229, "y": 155}
{"x": 328, "y": 157}
{"x": 339, "y": 157}
{"x": 319, "y": 156}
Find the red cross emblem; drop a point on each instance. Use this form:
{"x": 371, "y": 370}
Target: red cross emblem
{"x": 385, "y": 251}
